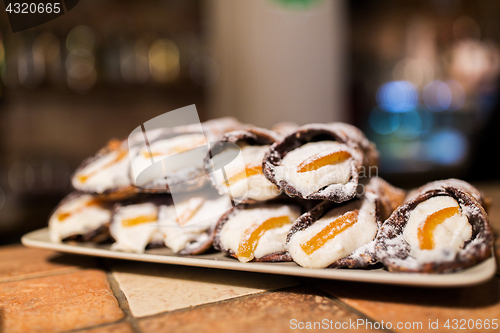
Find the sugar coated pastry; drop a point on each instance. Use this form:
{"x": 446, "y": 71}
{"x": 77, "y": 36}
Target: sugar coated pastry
{"x": 320, "y": 161}
{"x": 240, "y": 176}
{"x": 343, "y": 235}
{"x": 257, "y": 232}
{"x": 188, "y": 228}
{"x": 442, "y": 227}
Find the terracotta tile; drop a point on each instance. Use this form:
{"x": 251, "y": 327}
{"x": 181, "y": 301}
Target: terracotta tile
{"x": 270, "y": 312}
{"x": 19, "y": 262}
{"x": 58, "y": 303}
{"x": 154, "y": 288}
{"x": 403, "y": 304}
{"x": 115, "y": 328}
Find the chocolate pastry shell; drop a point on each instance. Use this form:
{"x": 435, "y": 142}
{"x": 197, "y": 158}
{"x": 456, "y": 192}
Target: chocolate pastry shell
{"x": 366, "y": 156}
{"x": 395, "y": 254}
{"x": 386, "y": 198}
{"x": 198, "y": 247}
{"x": 254, "y": 136}
{"x": 272, "y": 257}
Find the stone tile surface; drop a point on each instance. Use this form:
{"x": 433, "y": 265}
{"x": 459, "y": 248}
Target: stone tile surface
{"x": 58, "y": 303}
{"x": 269, "y": 312}
{"x": 155, "y": 288}
{"x": 404, "y": 304}
{"x": 20, "y": 262}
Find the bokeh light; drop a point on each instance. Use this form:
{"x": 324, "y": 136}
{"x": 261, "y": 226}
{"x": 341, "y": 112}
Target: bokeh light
{"x": 80, "y": 62}
{"x": 80, "y": 38}
{"x": 437, "y": 96}
{"x": 410, "y": 127}
{"x": 164, "y": 61}
{"x": 457, "y": 95}
{"x": 397, "y": 96}
{"x": 447, "y": 147}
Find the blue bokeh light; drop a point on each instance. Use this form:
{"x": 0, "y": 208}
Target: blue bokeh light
{"x": 447, "y": 147}
{"x": 397, "y": 96}
{"x": 411, "y": 126}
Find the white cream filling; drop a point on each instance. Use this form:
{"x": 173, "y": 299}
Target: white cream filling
{"x": 346, "y": 242}
{"x": 311, "y": 181}
{"x": 82, "y": 218}
{"x": 103, "y": 175}
{"x": 271, "y": 241}
{"x": 177, "y": 237}
{"x": 449, "y": 236}
{"x": 187, "y": 162}
{"x": 255, "y": 187}
{"x": 134, "y": 238}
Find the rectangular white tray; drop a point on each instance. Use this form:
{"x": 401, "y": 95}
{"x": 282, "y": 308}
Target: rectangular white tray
{"x": 474, "y": 275}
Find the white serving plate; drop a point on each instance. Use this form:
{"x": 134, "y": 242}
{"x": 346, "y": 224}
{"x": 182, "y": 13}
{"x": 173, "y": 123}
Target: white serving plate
{"x": 474, "y": 275}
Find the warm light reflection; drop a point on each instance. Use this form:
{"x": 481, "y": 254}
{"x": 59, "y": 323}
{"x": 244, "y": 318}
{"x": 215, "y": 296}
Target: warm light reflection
{"x": 80, "y": 62}
{"x": 164, "y": 61}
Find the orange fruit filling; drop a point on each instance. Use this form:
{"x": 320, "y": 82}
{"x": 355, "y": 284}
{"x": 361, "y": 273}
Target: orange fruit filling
{"x": 254, "y": 233}
{"x": 321, "y": 159}
{"x": 138, "y": 220}
{"x": 63, "y": 216}
{"x": 334, "y": 228}
{"x": 122, "y": 153}
{"x": 425, "y": 231}
{"x": 250, "y": 170}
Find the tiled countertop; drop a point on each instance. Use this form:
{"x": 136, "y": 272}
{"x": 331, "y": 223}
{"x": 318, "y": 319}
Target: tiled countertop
{"x": 43, "y": 291}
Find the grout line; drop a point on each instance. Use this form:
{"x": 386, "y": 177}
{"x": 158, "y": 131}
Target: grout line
{"x": 346, "y": 306}
{"x": 189, "y": 308}
{"x": 122, "y": 302}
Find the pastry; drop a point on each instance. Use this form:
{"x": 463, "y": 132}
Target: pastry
{"x": 320, "y": 161}
{"x": 134, "y": 226}
{"x": 175, "y": 157}
{"x": 188, "y": 228}
{"x": 441, "y": 227}
{"x": 106, "y": 173}
{"x": 234, "y": 164}
{"x": 80, "y": 216}
{"x": 256, "y": 232}
{"x": 343, "y": 235}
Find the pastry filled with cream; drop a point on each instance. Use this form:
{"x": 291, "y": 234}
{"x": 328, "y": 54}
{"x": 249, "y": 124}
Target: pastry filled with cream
{"x": 170, "y": 159}
{"x": 106, "y": 173}
{"x": 188, "y": 228}
{"x": 256, "y": 232}
{"x": 440, "y": 228}
{"x": 81, "y": 216}
{"x": 320, "y": 161}
{"x": 342, "y": 235}
{"x": 134, "y": 226}
{"x": 174, "y": 160}
{"x": 235, "y": 165}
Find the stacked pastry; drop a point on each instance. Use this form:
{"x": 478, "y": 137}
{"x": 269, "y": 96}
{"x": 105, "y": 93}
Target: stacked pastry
{"x": 108, "y": 204}
{"x": 302, "y": 194}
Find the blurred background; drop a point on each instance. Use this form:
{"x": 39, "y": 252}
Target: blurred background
{"x": 419, "y": 77}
